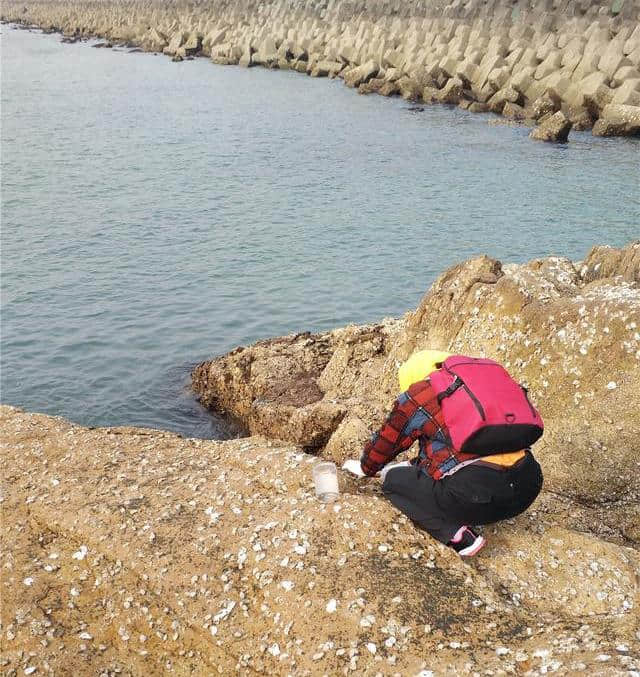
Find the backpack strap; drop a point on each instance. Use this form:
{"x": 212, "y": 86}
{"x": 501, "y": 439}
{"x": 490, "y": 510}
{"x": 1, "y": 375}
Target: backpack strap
{"x": 457, "y": 383}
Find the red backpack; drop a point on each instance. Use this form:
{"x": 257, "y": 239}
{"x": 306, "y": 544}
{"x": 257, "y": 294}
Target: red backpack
{"x": 485, "y": 410}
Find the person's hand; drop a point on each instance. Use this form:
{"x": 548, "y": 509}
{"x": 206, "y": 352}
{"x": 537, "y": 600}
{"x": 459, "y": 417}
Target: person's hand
{"x": 353, "y": 467}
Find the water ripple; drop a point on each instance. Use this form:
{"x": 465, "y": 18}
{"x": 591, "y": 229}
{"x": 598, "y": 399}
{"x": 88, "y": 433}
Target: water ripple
{"x": 156, "y": 214}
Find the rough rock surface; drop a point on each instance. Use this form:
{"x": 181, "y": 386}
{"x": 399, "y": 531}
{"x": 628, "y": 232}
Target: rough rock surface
{"x": 571, "y": 332}
{"x": 618, "y": 120}
{"x": 582, "y": 54}
{"x": 554, "y": 128}
{"x": 131, "y": 551}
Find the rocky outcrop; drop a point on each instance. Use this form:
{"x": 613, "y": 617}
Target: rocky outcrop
{"x": 132, "y": 551}
{"x": 582, "y": 55}
{"x": 571, "y": 332}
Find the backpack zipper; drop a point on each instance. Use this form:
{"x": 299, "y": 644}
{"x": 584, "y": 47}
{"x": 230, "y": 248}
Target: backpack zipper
{"x": 474, "y": 399}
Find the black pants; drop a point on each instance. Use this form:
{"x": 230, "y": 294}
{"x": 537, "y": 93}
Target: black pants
{"x": 476, "y": 494}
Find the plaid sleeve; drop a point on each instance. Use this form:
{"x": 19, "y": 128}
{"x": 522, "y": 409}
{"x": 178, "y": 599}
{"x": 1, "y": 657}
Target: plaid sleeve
{"x": 392, "y": 438}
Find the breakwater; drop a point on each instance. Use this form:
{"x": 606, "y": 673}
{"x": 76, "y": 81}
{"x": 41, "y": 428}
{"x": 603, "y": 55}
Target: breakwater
{"x": 557, "y": 65}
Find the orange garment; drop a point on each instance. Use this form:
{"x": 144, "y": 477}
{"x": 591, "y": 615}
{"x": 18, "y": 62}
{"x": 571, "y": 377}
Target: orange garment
{"x": 504, "y": 459}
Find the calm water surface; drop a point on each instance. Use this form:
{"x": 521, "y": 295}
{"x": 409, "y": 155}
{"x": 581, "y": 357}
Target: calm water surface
{"x": 156, "y": 214}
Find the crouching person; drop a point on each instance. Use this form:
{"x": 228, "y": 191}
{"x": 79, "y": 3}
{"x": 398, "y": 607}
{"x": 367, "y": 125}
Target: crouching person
{"x": 474, "y": 426}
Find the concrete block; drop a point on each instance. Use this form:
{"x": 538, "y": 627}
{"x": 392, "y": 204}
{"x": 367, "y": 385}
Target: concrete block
{"x": 489, "y": 63}
{"x": 588, "y": 64}
{"x": 214, "y": 38}
{"x": 557, "y": 83}
{"x": 514, "y": 56}
{"x": 512, "y": 111}
{"x": 483, "y": 94}
{"x": 498, "y": 45}
{"x": 598, "y": 41}
{"x": 528, "y": 59}
{"x": 499, "y": 77}
{"x": 547, "y": 47}
{"x": 555, "y": 128}
{"x": 628, "y": 93}
{"x": 392, "y": 74}
{"x": 618, "y": 120}
{"x": 634, "y": 57}
{"x": 474, "y": 56}
{"x": 625, "y": 73}
{"x": 535, "y": 90}
{"x": 327, "y": 68}
{"x": 467, "y": 71}
{"x": 497, "y": 102}
{"x": 613, "y": 59}
{"x": 449, "y": 66}
{"x": 543, "y": 106}
{"x": 633, "y": 42}
{"x": 361, "y": 74}
{"x": 522, "y": 80}
{"x": 452, "y": 92}
{"x": 591, "y": 92}
{"x": 550, "y": 65}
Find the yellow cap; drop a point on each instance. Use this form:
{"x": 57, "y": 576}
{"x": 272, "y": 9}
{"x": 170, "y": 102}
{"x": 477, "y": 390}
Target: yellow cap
{"x": 419, "y": 366}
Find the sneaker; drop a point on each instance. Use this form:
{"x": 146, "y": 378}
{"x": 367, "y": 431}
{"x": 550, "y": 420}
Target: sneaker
{"x": 466, "y": 542}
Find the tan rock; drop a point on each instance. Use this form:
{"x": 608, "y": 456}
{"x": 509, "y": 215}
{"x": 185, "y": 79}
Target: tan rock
{"x": 545, "y": 105}
{"x": 624, "y": 74}
{"x": 554, "y": 128}
{"x": 613, "y": 59}
{"x": 581, "y": 119}
{"x": 327, "y": 68}
{"x": 512, "y": 111}
{"x": 154, "y": 551}
{"x": 356, "y": 76}
{"x": 452, "y": 92}
{"x": 550, "y": 65}
{"x": 628, "y": 94}
{"x": 618, "y": 120}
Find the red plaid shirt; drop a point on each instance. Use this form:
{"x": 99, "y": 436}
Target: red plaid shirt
{"x": 416, "y": 415}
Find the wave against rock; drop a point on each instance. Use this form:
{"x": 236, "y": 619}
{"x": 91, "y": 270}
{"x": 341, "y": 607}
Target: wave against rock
{"x": 570, "y": 332}
{"x": 526, "y": 60}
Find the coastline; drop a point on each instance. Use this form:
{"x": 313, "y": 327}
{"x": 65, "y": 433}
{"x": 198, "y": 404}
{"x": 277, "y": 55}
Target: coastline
{"x": 558, "y": 68}
{"x": 130, "y": 550}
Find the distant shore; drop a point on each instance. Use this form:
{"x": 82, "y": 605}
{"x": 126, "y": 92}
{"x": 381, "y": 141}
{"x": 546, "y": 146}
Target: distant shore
{"x": 549, "y": 67}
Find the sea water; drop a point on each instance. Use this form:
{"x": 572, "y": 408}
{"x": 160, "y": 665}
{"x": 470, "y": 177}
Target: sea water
{"x": 156, "y": 214}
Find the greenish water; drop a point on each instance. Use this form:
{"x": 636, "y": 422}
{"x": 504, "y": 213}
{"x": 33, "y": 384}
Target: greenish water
{"x": 156, "y": 214}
